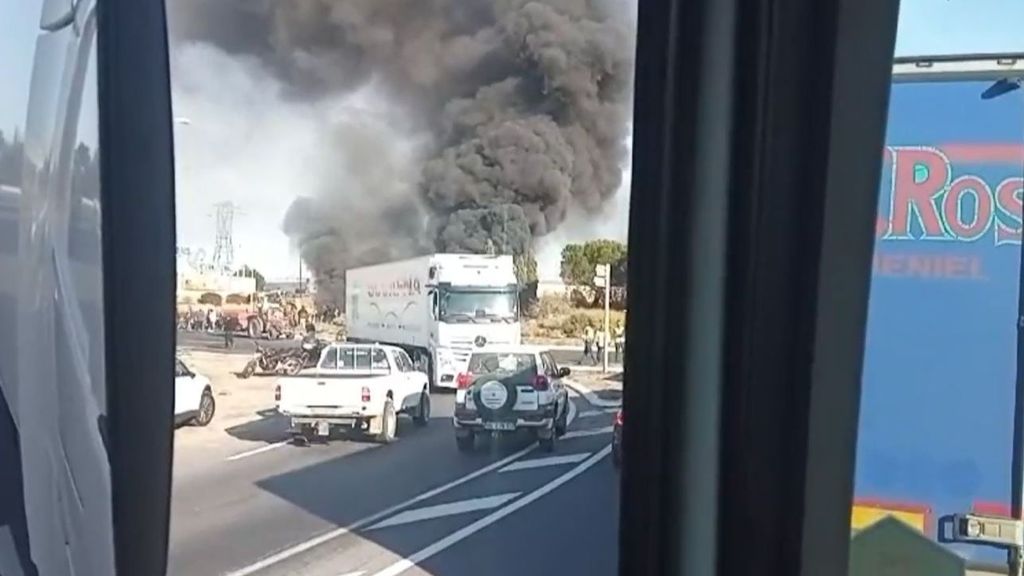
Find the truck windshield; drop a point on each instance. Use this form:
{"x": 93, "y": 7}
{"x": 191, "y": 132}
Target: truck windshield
{"x": 479, "y": 306}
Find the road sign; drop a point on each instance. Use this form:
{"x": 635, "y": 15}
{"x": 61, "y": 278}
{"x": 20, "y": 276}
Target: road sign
{"x": 599, "y": 281}
{"x": 890, "y": 547}
{"x": 602, "y": 270}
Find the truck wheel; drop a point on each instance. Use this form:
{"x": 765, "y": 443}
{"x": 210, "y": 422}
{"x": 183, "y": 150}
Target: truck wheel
{"x": 255, "y": 328}
{"x": 422, "y": 417}
{"x": 388, "y": 423}
{"x": 465, "y": 442}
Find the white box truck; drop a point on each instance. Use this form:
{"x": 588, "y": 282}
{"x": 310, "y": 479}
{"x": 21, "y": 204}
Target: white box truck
{"x": 439, "y": 308}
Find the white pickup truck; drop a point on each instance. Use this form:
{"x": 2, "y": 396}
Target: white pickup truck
{"x": 362, "y": 387}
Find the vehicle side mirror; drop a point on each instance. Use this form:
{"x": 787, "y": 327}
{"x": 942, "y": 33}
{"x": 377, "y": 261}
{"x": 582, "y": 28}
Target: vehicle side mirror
{"x": 563, "y": 372}
{"x": 433, "y": 305}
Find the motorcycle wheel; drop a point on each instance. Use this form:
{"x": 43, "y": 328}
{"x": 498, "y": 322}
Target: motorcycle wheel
{"x": 293, "y": 366}
{"x": 249, "y": 370}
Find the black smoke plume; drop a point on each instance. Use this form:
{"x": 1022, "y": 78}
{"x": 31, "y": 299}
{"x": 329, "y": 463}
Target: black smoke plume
{"x": 524, "y": 104}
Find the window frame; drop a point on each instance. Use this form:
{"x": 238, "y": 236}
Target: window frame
{"x": 743, "y": 125}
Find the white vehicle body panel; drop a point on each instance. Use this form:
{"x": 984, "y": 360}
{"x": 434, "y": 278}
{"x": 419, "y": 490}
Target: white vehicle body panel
{"x": 528, "y": 399}
{"x": 188, "y": 392}
{"x": 338, "y": 392}
{"x": 403, "y": 303}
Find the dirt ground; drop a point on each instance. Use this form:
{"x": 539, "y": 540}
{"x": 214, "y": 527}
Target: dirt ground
{"x": 245, "y": 406}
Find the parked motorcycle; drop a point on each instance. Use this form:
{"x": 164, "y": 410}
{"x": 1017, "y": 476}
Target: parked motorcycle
{"x": 267, "y": 360}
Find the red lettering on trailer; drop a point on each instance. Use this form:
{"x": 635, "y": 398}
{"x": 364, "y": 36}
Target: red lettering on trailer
{"x": 927, "y": 203}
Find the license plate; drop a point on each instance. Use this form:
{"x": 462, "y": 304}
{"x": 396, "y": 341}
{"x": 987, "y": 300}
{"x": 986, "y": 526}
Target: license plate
{"x": 499, "y": 426}
{"x": 323, "y": 428}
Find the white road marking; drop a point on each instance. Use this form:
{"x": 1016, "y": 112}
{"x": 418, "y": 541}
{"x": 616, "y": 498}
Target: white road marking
{"x": 449, "y": 509}
{"x": 591, "y": 396}
{"x": 543, "y": 462}
{"x": 572, "y": 413}
{"x": 455, "y": 537}
{"x": 328, "y": 536}
{"x": 356, "y": 573}
{"x": 591, "y": 413}
{"x": 590, "y": 432}
{"x": 9, "y": 563}
{"x": 337, "y": 532}
{"x": 256, "y": 451}
{"x": 610, "y": 410}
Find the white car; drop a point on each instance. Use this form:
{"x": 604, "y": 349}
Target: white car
{"x": 363, "y": 387}
{"x": 193, "y": 396}
{"x": 509, "y": 389}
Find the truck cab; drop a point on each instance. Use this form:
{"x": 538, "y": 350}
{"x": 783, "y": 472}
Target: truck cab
{"x": 439, "y": 308}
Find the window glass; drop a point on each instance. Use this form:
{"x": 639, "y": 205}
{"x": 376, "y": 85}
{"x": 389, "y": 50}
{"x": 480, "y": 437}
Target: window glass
{"x": 330, "y": 359}
{"x": 380, "y": 360}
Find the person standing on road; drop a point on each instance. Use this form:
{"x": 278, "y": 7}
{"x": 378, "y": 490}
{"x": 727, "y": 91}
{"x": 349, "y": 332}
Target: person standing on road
{"x": 229, "y": 337}
{"x": 588, "y": 343}
{"x": 619, "y": 333}
{"x": 602, "y": 341}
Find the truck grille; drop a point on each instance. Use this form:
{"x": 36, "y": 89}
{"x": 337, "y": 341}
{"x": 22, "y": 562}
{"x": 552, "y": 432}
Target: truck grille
{"x": 463, "y": 347}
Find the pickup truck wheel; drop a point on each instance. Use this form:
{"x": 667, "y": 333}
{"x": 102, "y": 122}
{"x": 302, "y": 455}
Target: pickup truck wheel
{"x": 422, "y": 417}
{"x": 388, "y": 423}
{"x": 465, "y": 442}
{"x": 207, "y": 406}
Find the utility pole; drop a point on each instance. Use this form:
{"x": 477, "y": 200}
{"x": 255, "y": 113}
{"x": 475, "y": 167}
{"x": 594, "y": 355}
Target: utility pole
{"x": 603, "y": 277}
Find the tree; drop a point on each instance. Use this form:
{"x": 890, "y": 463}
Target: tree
{"x": 579, "y": 260}
{"x": 526, "y": 275}
{"x": 249, "y": 272}
{"x": 526, "y": 268}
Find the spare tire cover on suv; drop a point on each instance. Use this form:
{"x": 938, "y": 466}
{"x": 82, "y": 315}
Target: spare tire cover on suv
{"x": 495, "y": 399}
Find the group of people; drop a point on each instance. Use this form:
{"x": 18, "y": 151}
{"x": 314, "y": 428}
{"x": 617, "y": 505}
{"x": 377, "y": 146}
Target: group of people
{"x": 199, "y": 319}
{"x": 595, "y": 341}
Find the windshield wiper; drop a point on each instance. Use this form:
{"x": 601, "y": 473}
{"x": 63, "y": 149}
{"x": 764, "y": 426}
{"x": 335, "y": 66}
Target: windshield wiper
{"x": 456, "y": 316}
{"x": 508, "y": 319}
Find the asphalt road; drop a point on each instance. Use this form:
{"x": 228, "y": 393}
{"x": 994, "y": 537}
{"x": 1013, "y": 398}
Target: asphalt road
{"x": 244, "y": 345}
{"x": 417, "y": 506}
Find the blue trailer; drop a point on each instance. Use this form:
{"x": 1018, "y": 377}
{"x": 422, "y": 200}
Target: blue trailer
{"x": 936, "y": 431}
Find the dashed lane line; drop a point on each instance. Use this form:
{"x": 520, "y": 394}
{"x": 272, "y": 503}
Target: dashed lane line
{"x": 459, "y": 535}
{"x": 301, "y": 547}
{"x": 447, "y": 509}
{"x": 337, "y": 532}
{"x": 544, "y": 462}
{"x": 256, "y": 451}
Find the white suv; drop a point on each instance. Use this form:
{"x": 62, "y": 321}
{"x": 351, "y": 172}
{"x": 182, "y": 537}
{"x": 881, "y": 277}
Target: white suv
{"x": 509, "y": 389}
{"x": 193, "y": 396}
